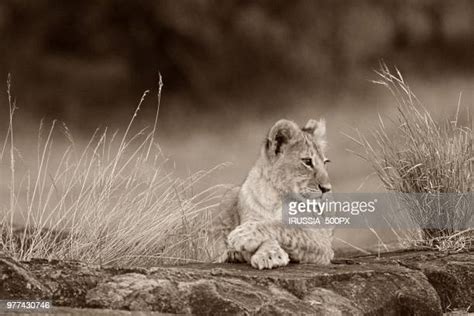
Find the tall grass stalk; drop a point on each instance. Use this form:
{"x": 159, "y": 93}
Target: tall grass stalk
{"x": 113, "y": 200}
{"x": 414, "y": 153}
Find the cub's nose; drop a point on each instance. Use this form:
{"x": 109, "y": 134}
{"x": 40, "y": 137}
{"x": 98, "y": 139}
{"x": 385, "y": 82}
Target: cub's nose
{"x": 325, "y": 188}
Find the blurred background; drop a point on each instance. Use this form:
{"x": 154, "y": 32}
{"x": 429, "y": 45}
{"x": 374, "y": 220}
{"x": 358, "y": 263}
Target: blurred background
{"x": 230, "y": 70}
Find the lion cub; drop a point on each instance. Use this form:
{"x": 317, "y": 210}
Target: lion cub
{"x": 250, "y": 228}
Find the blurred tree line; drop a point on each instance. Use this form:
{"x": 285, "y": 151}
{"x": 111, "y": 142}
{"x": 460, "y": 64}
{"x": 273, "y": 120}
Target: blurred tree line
{"x": 100, "y": 51}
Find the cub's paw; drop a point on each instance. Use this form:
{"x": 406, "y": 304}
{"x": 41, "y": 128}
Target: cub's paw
{"x": 237, "y": 257}
{"x": 245, "y": 238}
{"x": 270, "y": 255}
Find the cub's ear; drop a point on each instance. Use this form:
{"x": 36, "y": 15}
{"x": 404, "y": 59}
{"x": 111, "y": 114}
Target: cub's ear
{"x": 317, "y": 128}
{"x": 279, "y": 136}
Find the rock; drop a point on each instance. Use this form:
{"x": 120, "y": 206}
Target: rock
{"x": 71, "y": 311}
{"x": 452, "y": 275}
{"x": 406, "y": 283}
{"x": 18, "y": 283}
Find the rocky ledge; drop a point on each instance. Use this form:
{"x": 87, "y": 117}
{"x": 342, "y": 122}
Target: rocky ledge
{"x": 403, "y": 283}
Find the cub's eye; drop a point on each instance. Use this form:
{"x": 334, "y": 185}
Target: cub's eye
{"x": 308, "y": 162}
{"x": 326, "y": 161}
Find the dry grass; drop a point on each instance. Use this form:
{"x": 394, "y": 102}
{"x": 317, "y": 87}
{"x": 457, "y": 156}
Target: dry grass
{"x": 113, "y": 201}
{"x": 416, "y": 154}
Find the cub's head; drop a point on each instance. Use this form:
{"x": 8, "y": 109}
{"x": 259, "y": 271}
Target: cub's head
{"x": 296, "y": 158}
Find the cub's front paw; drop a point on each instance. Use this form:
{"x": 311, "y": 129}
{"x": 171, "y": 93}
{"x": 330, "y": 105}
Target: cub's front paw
{"x": 237, "y": 257}
{"x": 270, "y": 255}
{"x": 245, "y": 238}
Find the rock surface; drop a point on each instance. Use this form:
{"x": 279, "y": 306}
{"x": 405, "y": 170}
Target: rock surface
{"x": 405, "y": 283}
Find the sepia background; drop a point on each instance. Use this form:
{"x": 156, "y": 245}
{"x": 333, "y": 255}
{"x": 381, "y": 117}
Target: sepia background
{"x": 230, "y": 70}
